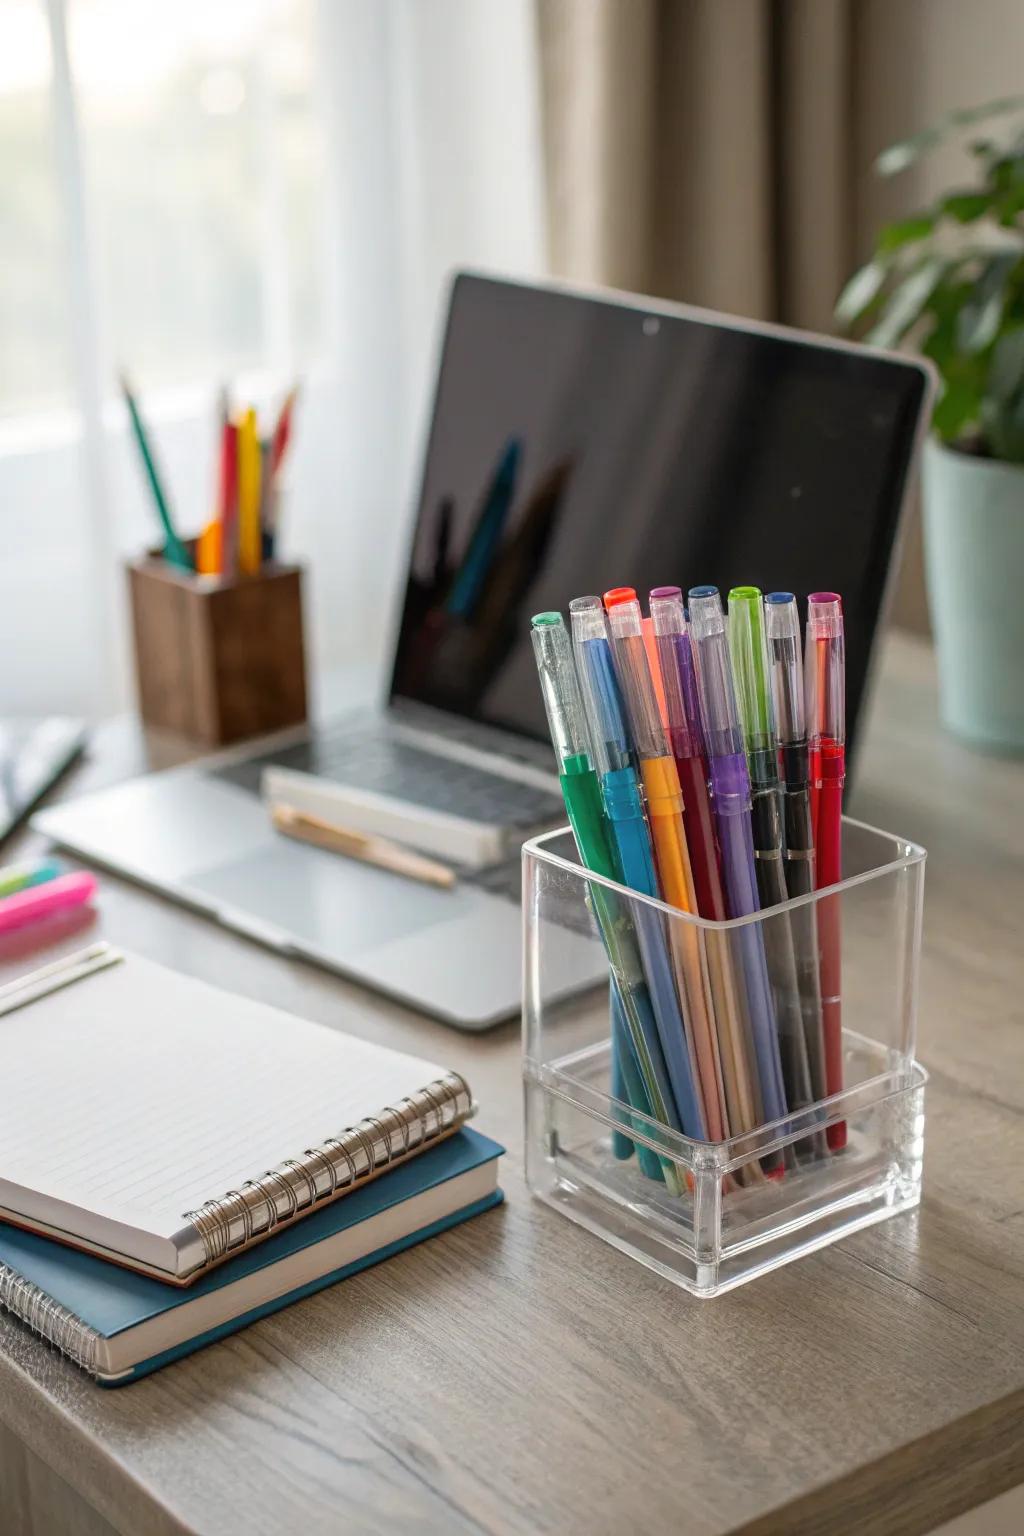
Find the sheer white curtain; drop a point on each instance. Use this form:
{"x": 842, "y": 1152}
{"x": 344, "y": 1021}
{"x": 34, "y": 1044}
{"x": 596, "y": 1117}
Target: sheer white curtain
{"x": 425, "y": 118}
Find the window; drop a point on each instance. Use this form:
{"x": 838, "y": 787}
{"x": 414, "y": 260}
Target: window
{"x": 199, "y": 145}
{"x": 205, "y": 192}
{"x": 34, "y": 362}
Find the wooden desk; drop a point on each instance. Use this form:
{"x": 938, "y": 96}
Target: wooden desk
{"x": 517, "y": 1376}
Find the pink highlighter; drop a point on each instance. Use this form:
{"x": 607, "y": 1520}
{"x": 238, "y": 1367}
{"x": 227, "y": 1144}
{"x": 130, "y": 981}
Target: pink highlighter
{"x": 40, "y": 901}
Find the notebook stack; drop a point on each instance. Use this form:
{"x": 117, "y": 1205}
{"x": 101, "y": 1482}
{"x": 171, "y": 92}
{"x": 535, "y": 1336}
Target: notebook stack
{"x": 177, "y": 1162}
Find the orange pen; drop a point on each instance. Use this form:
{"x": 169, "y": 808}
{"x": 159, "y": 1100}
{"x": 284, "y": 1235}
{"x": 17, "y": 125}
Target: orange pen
{"x": 665, "y": 812}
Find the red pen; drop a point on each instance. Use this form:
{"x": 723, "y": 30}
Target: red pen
{"x": 39, "y": 901}
{"x": 825, "y": 684}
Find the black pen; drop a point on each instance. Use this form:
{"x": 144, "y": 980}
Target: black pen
{"x": 782, "y": 629}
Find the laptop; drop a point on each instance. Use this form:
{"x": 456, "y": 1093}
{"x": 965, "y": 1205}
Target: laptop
{"x": 578, "y": 441}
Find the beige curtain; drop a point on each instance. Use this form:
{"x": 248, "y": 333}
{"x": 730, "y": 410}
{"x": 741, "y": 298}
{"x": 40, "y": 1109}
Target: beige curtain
{"x": 701, "y": 149}
{"x": 719, "y": 151}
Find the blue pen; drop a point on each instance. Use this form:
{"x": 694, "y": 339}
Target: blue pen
{"x": 620, "y": 790}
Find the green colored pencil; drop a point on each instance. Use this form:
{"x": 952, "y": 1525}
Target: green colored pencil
{"x": 175, "y": 552}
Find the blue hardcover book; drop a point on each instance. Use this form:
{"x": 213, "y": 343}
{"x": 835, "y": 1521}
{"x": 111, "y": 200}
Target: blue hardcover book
{"x": 120, "y": 1325}
{"x": 160, "y": 1123}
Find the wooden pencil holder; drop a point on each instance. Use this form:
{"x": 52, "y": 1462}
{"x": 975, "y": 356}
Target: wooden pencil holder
{"x": 218, "y": 658}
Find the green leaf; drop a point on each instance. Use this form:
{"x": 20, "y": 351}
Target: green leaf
{"x": 965, "y": 207}
{"x": 978, "y": 321}
{"x": 898, "y": 156}
{"x": 904, "y": 232}
{"x": 956, "y": 408}
{"x": 861, "y": 289}
{"x": 1009, "y": 205}
{"x": 1003, "y": 426}
{"x": 1007, "y": 172}
{"x": 1006, "y": 370}
{"x": 907, "y": 302}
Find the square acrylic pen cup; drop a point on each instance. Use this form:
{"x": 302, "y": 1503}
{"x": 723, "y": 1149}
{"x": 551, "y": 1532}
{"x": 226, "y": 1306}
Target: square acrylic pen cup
{"x": 607, "y": 1141}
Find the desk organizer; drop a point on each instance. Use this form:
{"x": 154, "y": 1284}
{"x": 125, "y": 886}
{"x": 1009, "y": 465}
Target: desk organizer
{"x": 709, "y": 1215}
{"x": 218, "y": 658}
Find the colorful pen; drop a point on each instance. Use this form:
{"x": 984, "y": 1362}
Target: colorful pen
{"x": 637, "y": 1067}
{"x": 753, "y": 697}
{"x": 20, "y": 877}
{"x": 825, "y": 683}
{"x": 671, "y": 855}
{"x": 782, "y": 630}
{"x": 730, "y": 799}
{"x": 682, "y": 710}
{"x": 620, "y": 790}
{"x": 39, "y": 901}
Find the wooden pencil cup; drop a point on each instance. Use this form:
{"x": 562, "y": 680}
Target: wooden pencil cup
{"x": 218, "y": 659}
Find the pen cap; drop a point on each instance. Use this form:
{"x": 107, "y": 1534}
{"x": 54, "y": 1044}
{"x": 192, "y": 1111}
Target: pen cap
{"x": 782, "y": 630}
{"x": 599, "y": 685}
{"x": 560, "y": 689}
{"x": 714, "y": 672}
{"x": 629, "y": 653}
{"x": 668, "y": 620}
{"x": 750, "y": 669}
{"x": 825, "y": 667}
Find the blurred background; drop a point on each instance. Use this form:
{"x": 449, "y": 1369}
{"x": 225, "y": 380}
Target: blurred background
{"x": 259, "y": 190}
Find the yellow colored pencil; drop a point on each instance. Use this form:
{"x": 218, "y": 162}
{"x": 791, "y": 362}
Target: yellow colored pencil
{"x": 249, "y": 536}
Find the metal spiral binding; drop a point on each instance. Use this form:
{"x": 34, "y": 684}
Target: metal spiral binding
{"x": 49, "y": 1319}
{"x": 337, "y": 1164}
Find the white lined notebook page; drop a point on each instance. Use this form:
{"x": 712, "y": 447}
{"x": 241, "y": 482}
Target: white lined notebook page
{"x": 137, "y": 1093}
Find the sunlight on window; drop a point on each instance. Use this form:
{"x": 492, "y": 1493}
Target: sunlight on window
{"x": 201, "y": 146}
{"x": 34, "y": 350}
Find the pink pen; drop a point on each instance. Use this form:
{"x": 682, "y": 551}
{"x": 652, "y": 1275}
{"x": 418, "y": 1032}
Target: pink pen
{"x": 39, "y": 901}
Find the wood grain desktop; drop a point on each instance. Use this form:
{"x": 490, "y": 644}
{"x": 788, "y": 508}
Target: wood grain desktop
{"x": 516, "y": 1375}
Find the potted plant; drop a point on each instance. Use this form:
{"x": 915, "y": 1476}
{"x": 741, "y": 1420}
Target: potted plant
{"x": 951, "y": 280}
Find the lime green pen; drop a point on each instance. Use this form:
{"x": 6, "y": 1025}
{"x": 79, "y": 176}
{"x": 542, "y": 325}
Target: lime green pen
{"x": 749, "y": 654}
{"x": 638, "y": 1068}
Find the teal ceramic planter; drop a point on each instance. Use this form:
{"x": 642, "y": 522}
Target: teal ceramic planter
{"x": 974, "y": 555}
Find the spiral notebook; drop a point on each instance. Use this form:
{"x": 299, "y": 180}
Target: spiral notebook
{"x": 119, "y": 1325}
{"x": 164, "y": 1124}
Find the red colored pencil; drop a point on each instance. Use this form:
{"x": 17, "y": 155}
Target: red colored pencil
{"x": 227, "y": 499}
{"x": 282, "y": 431}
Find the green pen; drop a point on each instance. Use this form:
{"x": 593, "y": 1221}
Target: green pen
{"x": 634, "y": 1069}
{"x": 19, "y": 877}
{"x": 749, "y": 655}
{"x": 175, "y": 552}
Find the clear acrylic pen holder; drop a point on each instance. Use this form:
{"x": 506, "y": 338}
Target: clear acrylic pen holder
{"x": 712, "y": 1214}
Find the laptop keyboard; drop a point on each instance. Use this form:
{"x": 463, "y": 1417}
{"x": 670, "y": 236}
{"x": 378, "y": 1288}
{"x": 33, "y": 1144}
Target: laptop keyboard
{"x": 372, "y": 758}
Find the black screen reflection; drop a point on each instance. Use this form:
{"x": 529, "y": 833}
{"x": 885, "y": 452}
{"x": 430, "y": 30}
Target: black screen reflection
{"x": 575, "y": 448}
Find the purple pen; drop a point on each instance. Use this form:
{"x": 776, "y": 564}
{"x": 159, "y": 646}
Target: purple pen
{"x": 730, "y": 800}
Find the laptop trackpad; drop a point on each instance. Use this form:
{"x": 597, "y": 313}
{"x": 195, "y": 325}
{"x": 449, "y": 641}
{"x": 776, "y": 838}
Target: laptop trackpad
{"x": 335, "y": 905}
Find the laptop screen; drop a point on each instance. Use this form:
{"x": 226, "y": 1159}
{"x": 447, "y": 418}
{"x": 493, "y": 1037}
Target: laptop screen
{"x": 579, "y": 444}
